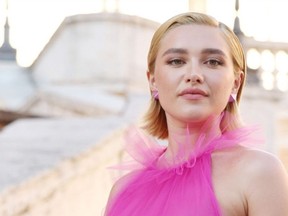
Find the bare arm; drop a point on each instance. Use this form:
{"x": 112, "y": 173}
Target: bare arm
{"x": 267, "y": 191}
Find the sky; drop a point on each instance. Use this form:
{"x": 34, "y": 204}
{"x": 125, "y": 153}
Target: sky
{"x": 33, "y": 22}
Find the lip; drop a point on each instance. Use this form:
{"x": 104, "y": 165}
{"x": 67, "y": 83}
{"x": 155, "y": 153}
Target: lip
{"x": 193, "y": 93}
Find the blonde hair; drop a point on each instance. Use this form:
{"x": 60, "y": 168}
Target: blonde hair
{"x": 155, "y": 119}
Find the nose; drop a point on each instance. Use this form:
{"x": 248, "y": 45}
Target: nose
{"x": 194, "y": 75}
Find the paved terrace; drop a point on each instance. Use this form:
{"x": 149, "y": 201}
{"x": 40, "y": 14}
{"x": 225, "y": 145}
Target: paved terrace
{"x": 59, "y": 166}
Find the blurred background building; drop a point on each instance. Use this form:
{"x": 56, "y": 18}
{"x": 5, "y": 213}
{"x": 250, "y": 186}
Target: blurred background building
{"x": 62, "y": 115}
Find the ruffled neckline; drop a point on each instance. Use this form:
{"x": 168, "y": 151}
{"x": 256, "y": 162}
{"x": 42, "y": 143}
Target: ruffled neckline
{"x": 149, "y": 154}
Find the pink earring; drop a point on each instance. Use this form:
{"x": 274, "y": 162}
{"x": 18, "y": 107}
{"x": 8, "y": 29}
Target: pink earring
{"x": 155, "y": 94}
{"x": 232, "y": 98}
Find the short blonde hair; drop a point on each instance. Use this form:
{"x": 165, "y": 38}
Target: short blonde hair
{"x": 155, "y": 121}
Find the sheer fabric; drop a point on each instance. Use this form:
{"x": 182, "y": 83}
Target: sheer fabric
{"x": 183, "y": 187}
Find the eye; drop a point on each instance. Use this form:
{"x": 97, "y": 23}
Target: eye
{"x": 176, "y": 62}
{"x": 213, "y": 62}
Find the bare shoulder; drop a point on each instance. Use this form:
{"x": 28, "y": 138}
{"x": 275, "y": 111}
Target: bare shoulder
{"x": 250, "y": 161}
{"x": 257, "y": 164}
{"x": 263, "y": 166}
{"x": 260, "y": 162}
{"x": 266, "y": 185}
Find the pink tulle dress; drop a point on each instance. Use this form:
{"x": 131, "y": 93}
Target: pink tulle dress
{"x": 157, "y": 187}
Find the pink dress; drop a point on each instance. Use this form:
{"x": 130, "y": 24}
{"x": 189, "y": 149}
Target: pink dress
{"x": 159, "y": 188}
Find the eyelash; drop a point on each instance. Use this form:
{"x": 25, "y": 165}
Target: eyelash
{"x": 210, "y": 62}
{"x": 214, "y": 62}
{"x": 176, "y": 62}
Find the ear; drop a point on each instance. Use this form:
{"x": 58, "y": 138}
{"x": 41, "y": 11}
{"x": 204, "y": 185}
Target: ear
{"x": 151, "y": 80}
{"x": 239, "y": 78}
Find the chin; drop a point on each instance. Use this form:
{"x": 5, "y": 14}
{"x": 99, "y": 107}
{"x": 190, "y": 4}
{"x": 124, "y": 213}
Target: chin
{"x": 195, "y": 118}
{"x": 198, "y": 115}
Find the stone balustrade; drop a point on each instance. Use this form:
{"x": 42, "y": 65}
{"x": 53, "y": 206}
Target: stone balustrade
{"x": 77, "y": 186}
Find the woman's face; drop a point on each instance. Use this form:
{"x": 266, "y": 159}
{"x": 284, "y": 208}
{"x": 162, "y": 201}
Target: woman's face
{"x": 193, "y": 73}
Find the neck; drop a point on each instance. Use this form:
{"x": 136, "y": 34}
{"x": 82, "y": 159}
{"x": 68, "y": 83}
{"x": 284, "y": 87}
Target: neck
{"x": 184, "y": 138}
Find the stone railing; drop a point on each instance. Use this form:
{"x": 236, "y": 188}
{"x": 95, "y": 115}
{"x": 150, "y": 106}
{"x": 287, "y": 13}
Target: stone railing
{"x": 267, "y": 63}
{"x": 78, "y": 186}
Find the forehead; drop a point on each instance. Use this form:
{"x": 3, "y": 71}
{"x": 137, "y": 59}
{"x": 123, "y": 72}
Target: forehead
{"x": 195, "y": 37}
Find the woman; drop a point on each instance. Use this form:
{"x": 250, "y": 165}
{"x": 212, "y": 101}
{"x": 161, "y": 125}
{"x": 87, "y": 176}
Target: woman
{"x": 196, "y": 72}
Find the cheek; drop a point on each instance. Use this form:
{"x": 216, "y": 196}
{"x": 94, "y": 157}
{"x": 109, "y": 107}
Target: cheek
{"x": 167, "y": 87}
{"x": 222, "y": 86}
{"x": 165, "y": 81}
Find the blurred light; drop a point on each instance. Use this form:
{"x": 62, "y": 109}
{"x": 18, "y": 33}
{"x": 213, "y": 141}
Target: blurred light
{"x": 282, "y": 81}
{"x": 267, "y": 61}
{"x": 281, "y": 61}
{"x": 253, "y": 59}
{"x": 267, "y": 80}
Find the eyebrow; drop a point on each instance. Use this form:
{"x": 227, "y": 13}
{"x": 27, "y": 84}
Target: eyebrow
{"x": 213, "y": 51}
{"x": 175, "y": 51}
{"x": 185, "y": 51}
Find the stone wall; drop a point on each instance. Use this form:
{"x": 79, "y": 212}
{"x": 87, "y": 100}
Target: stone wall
{"x": 76, "y": 187}
{"x": 268, "y": 110}
{"x": 91, "y": 47}
{"x": 263, "y": 108}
